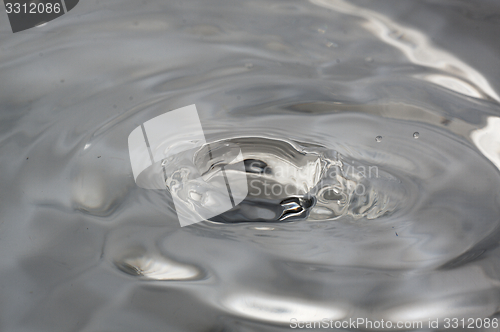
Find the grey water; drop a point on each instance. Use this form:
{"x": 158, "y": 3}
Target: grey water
{"x": 370, "y": 132}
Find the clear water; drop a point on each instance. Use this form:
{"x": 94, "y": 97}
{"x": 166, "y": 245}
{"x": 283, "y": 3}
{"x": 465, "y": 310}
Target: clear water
{"x": 380, "y": 118}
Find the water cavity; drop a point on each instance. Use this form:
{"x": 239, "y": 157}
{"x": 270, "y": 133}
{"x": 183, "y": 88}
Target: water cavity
{"x": 369, "y": 135}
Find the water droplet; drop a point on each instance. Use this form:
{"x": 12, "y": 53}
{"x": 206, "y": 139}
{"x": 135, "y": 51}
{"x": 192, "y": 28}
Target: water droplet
{"x": 416, "y": 135}
{"x": 378, "y": 139}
